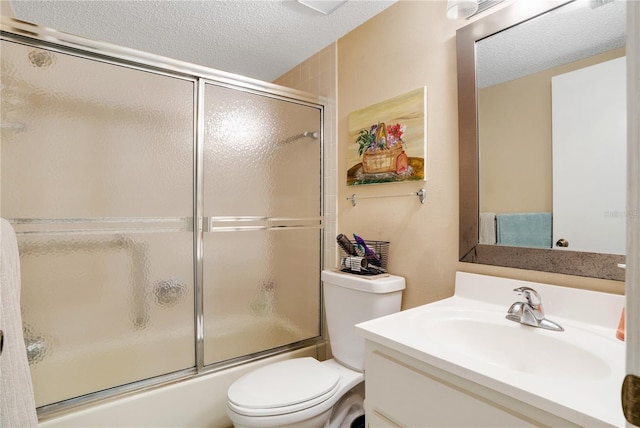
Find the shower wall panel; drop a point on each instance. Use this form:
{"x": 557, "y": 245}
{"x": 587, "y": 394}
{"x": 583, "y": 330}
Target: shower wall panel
{"x": 97, "y": 179}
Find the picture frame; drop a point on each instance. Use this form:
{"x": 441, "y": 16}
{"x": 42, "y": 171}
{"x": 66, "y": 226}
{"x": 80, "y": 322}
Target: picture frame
{"x": 387, "y": 140}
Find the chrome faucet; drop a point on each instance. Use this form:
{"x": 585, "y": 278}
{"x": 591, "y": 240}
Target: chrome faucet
{"x": 530, "y": 312}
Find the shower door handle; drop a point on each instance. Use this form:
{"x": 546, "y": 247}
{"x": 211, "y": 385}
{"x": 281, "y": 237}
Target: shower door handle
{"x": 253, "y": 223}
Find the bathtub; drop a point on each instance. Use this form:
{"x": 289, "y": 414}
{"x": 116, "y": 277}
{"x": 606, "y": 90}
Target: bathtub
{"x": 197, "y": 402}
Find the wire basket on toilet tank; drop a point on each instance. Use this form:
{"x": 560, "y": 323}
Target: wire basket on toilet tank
{"x": 363, "y": 257}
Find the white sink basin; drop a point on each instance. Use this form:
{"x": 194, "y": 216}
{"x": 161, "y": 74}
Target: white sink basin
{"x": 490, "y": 338}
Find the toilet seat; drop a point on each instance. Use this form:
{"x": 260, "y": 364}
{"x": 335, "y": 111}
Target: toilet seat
{"x": 283, "y": 387}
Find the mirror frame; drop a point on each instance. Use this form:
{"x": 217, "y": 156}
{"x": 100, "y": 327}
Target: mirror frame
{"x": 593, "y": 265}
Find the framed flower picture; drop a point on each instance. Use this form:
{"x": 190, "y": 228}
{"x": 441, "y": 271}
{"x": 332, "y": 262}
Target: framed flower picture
{"x": 387, "y": 140}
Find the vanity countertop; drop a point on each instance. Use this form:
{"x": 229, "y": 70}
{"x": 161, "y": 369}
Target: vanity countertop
{"x": 575, "y": 374}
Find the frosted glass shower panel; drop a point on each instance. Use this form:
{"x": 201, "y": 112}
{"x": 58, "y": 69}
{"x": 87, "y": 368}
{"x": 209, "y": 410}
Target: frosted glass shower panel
{"x": 83, "y": 138}
{"x": 262, "y": 208}
{"x": 261, "y": 291}
{"x": 97, "y": 180}
{"x": 258, "y": 160}
{"x": 103, "y": 310}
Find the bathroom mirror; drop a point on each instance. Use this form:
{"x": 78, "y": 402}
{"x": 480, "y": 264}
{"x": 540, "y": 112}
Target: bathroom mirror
{"x": 472, "y": 41}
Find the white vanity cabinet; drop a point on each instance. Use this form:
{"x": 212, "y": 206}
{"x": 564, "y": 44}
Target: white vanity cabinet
{"x": 402, "y": 391}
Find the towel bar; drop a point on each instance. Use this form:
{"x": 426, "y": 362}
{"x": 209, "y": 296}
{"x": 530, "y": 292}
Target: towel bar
{"x": 421, "y": 194}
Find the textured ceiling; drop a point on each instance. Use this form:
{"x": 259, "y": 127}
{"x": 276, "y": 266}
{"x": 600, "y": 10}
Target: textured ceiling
{"x": 265, "y": 38}
{"x": 261, "y": 38}
{"x": 564, "y": 35}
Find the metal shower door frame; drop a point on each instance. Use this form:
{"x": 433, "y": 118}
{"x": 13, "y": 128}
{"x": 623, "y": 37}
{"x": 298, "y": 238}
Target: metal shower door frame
{"x": 36, "y": 36}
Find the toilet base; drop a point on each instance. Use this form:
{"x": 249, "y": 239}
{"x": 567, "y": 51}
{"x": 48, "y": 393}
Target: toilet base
{"x": 318, "y": 421}
{"x": 347, "y": 410}
{"x": 358, "y": 422}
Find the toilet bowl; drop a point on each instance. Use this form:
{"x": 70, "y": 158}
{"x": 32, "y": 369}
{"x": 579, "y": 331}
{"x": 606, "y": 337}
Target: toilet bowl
{"x": 304, "y": 392}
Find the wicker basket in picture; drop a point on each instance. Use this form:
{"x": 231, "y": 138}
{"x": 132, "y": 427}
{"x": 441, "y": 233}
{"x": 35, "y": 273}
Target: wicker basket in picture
{"x": 381, "y": 160}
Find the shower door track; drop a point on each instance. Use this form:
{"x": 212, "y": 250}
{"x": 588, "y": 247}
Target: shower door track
{"x": 42, "y": 37}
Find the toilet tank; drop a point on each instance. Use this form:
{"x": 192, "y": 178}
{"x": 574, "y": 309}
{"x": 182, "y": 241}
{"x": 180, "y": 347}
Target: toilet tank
{"x": 352, "y": 299}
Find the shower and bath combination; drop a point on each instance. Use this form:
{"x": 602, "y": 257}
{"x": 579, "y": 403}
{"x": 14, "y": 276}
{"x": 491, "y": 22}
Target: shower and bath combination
{"x": 151, "y": 210}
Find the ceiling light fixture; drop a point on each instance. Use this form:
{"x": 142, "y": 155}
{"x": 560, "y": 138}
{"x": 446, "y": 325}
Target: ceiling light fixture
{"x": 323, "y": 6}
{"x": 459, "y": 9}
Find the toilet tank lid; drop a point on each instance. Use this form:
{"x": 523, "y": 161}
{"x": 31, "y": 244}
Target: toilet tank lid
{"x": 376, "y": 284}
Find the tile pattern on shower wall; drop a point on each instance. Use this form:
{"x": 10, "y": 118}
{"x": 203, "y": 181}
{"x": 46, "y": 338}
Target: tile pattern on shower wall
{"x": 318, "y": 75}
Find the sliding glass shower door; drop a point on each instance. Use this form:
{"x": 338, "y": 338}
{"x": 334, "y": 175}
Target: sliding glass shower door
{"x": 262, "y": 211}
{"x": 168, "y": 223}
{"x": 97, "y": 180}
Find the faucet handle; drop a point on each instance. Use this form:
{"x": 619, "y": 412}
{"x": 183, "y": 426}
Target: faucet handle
{"x": 531, "y": 295}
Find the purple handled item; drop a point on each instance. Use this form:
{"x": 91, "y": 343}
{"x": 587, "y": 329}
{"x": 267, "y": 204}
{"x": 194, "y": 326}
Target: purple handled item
{"x": 369, "y": 254}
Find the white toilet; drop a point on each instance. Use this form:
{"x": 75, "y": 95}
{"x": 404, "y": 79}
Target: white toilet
{"x": 304, "y": 392}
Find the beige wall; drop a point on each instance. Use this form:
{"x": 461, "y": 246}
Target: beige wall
{"x": 411, "y": 45}
{"x": 515, "y": 140}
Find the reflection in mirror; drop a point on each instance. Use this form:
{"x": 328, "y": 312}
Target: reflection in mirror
{"x": 542, "y": 160}
{"x": 551, "y": 122}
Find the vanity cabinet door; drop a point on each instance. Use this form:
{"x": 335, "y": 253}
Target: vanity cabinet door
{"x": 410, "y": 397}
{"x": 401, "y": 394}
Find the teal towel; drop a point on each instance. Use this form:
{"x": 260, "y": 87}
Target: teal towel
{"x": 524, "y": 230}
